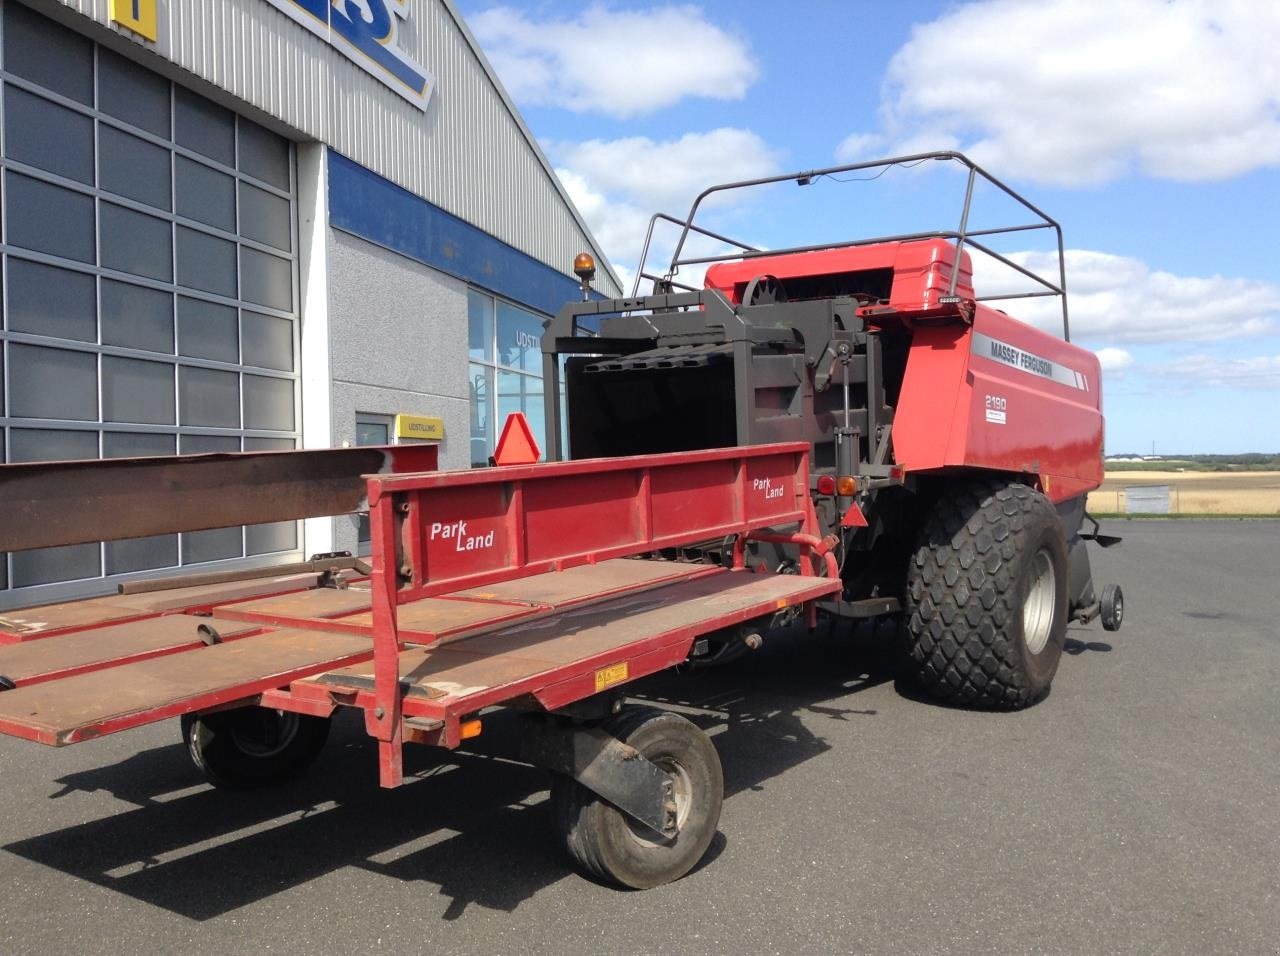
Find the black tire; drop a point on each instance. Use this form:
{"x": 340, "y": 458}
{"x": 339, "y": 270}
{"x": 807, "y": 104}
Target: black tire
{"x": 253, "y": 746}
{"x": 1112, "y": 607}
{"x": 986, "y": 608}
{"x": 608, "y": 844}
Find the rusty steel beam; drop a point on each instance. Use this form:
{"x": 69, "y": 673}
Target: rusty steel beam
{"x": 47, "y": 504}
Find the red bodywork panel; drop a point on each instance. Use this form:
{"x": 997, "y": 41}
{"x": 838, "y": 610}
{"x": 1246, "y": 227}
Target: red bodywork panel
{"x": 921, "y": 270}
{"x": 991, "y": 393}
{"x": 980, "y": 396}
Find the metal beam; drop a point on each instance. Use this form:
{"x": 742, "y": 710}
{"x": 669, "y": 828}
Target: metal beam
{"x": 48, "y": 504}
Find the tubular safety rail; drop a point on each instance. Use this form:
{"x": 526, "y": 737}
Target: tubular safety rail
{"x": 962, "y": 235}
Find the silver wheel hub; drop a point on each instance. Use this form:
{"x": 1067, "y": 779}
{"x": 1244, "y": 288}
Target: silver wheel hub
{"x": 682, "y": 791}
{"x": 1037, "y": 610}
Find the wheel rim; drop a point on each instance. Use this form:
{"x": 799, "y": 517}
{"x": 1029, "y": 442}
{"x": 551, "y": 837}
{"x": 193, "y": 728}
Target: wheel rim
{"x": 266, "y": 734}
{"x": 1037, "y": 610}
{"x": 681, "y": 790}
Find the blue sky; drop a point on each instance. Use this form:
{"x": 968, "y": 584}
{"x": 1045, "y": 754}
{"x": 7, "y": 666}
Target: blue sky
{"x": 1149, "y": 129}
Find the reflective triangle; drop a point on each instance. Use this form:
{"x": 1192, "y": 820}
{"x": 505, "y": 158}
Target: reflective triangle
{"x": 517, "y": 446}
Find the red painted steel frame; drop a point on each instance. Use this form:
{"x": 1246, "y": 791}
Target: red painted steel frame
{"x": 445, "y": 531}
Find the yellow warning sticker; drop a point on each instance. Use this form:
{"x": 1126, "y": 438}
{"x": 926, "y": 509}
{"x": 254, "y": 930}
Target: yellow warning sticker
{"x": 608, "y": 676}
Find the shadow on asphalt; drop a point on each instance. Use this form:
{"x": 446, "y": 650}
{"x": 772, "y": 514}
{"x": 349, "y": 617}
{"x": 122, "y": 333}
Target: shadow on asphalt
{"x": 474, "y": 823}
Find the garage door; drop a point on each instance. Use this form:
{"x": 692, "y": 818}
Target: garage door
{"x": 149, "y": 286}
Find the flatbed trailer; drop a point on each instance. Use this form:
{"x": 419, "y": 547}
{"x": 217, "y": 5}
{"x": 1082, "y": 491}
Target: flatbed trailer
{"x": 535, "y": 587}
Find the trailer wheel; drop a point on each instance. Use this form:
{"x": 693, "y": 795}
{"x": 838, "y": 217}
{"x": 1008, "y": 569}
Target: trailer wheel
{"x": 1112, "y": 605}
{"x": 986, "y": 610}
{"x": 611, "y": 846}
{"x": 253, "y": 746}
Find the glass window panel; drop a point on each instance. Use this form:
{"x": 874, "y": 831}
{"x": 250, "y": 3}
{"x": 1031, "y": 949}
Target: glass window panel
{"x": 136, "y": 444}
{"x": 45, "y": 300}
{"x": 206, "y": 262}
{"x": 49, "y": 444}
{"x": 264, "y": 217}
{"x": 48, "y": 218}
{"x": 134, "y": 390}
{"x": 132, "y": 167}
{"x": 51, "y": 137}
{"x": 208, "y": 397}
{"x": 135, "y": 242}
{"x": 519, "y": 338}
{"x": 48, "y": 565}
{"x": 216, "y": 545}
{"x": 142, "y": 554}
{"x": 266, "y": 538}
{"x": 268, "y": 341}
{"x": 522, "y": 393}
{"x": 43, "y": 52}
{"x": 207, "y": 330}
{"x": 372, "y": 433}
{"x": 482, "y": 437}
{"x": 266, "y": 279}
{"x": 33, "y": 369}
{"x": 204, "y": 127}
{"x": 264, "y": 155}
{"x": 479, "y": 327}
{"x": 207, "y": 444}
{"x": 136, "y": 317}
{"x": 204, "y": 194}
{"x": 268, "y": 403}
{"x": 269, "y": 444}
{"x": 4, "y": 570}
{"x": 130, "y": 93}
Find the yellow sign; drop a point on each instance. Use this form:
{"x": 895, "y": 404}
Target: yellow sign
{"x": 137, "y": 15}
{"x": 419, "y": 426}
{"x": 609, "y": 676}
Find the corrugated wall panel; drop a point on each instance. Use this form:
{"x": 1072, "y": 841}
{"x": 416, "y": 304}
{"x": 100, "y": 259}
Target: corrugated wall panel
{"x": 466, "y": 154}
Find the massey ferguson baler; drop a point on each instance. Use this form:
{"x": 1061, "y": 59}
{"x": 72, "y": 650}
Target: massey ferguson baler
{"x": 952, "y": 445}
{"x": 851, "y": 414}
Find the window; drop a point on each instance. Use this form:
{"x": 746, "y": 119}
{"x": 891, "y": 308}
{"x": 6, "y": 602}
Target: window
{"x": 504, "y": 344}
{"x": 370, "y": 430}
{"x": 148, "y": 264}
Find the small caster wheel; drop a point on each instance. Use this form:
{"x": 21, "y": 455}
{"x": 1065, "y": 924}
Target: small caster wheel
{"x": 1112, "y": 607}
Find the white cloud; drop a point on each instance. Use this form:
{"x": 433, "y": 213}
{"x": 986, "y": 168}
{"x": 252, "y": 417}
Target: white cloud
{"x": 668, "y": 175}
{"x": 1075, "y": 92}
{"x": 1120, "y": 299}
{"x": 618, "y": 184}
{"x": 615, "y": 62}
{"x": 1260, "y": 372}
{"x": 1114, "y": 360}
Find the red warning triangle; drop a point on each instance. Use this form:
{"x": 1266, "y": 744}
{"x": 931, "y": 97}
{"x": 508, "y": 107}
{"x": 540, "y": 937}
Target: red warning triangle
{"x": 517, "y": 446}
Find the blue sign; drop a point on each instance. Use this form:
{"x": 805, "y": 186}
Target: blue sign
{"x": 365, "y": 32}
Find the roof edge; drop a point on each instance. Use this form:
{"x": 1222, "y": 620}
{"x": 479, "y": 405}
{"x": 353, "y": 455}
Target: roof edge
{"x": 601, "y": 258}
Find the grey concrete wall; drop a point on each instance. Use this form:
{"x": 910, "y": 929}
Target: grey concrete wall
{"x": 399, "y": 344}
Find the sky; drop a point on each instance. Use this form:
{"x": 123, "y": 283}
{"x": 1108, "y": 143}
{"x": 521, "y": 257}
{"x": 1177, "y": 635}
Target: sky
{"x": 1149, "y": 129}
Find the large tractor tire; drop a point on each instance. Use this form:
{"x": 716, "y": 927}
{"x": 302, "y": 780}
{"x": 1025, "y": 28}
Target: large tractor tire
{"x": 986, "y": 608}
{"x": 611, "y": 846}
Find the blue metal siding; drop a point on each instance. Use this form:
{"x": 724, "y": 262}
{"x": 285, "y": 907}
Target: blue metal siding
{"x": 364, "y": 204}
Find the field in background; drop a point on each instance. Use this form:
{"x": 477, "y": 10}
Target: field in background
{"x": 1196, "y": 492}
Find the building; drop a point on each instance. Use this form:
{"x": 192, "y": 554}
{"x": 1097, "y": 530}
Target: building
{"x": 261, "y": 224}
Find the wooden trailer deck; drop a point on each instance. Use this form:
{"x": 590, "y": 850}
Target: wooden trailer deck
{"x": 543, "y": 635}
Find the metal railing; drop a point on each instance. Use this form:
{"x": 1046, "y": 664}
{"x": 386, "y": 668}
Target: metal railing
{"x": 962, "y": 235}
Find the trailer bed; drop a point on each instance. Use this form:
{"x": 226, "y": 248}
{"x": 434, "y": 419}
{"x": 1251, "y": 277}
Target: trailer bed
{"x": 485, "y": 645}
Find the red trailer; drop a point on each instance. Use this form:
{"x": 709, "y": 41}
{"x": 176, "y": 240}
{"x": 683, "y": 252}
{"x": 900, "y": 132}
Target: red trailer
{"x": 533, "y": 587}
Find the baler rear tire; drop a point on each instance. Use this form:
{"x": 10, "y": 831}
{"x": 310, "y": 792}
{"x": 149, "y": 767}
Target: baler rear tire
{"x": 986, "y": 608}
{"x": 253, "y": 746}
{"x": 608, "y": 844}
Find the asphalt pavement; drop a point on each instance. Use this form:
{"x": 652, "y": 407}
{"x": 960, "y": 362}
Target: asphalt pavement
{"x": 1136, "y": 809}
